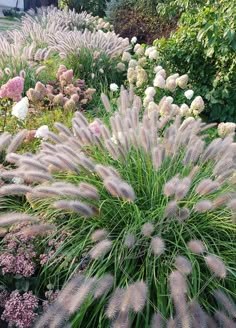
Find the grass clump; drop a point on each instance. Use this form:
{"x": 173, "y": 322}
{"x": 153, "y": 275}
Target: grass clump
{"x": 139, "y": 199}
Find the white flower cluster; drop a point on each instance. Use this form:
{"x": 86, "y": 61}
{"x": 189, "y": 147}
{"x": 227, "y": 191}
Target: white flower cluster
{"x": 137, "y": 75}
{"x": 225, "y": 129}
{"x": 20, "y": 109}
{"x": 151, "y": 53}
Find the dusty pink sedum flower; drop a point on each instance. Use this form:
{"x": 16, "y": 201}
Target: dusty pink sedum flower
{"x": 19, "y": 309}
{"x": 13, "y": 89}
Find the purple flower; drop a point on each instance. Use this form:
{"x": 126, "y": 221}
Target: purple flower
{"x": 20, "y": 309}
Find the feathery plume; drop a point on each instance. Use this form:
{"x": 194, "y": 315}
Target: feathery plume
{"x": 183, "y": 265}
{"x": 106, "y": 102}
{"x": 129, "y": 240}
{"x": 99, "y": 235}
{"x": 14, "y": 189}
{"x": 207, "y": 186}
{"x": 147, "y": 229}
{"x": 114, "y": 303}
{"x": 224, "y": 321}
{"x": 198, "y": 316}
{"x": 138, "y": 296}
{"x": 216, "y": 265}
{"x": 158, "y": 246}
{"x": 12, "y": 218}
{"x": 203, "y": 206}
{"x": 77, "y": 206}
{"x": 196, "y": 246}
{"x": 170, "y": 187}
{"x": 157, "y": 321}
{"x": 178, "y": 286}
{"x": 16, "y": 141}
{"x": 103, "y": 285}
{"x": 38, "y": 229}
{"x": 100, "y": 249}
{"x": 226, "y": 302}
{"x": 171, "y": 209}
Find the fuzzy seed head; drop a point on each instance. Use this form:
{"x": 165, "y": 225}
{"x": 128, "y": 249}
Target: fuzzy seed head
{"x": 147, "y": 229}
{"x": 196, "y": 246}
{"x": 183, "y": 265}
{"x": 101, "y": 249}
{"x": 216, "y": 265}
{"x": 158, "y": 246}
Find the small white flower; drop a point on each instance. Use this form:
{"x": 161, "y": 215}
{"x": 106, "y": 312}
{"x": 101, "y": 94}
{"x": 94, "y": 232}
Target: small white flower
{"x": 150, "y": 91}
{"x": 134, "y": 40}
{"x": 157, "y": 69}
{"x": 114, "y": 140}
{"x": 17, "y": 180}
{"x": 225, "y": 129}
{"x": 159, "y": 81}
{"x": 170, "y": 99}
{"x": 20, "y": 110}
{"x": 153, "y": 54}
{"x": 42, "y": 132}
{"x": 126, "y": 56}
{"x": 101, "y": 70}
{"x": 189, "y": 94}
{"x": 147, "y": 100}
{"x": 197, "y": 105}
{"x": 184, "y": 110}
{"x": 121, "y": 67}
{"x": 114, "y": 87}
{"x": 133, "y": 63}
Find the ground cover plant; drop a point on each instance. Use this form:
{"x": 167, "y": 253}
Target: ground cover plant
{"x": 117, "y": 201}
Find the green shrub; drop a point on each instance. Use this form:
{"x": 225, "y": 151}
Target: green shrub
{"x": 204, "y": 47}
{"x": 96, "y": 7}
{"x": 134, "y": 186}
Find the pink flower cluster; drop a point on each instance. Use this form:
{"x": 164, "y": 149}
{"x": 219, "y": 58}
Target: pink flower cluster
{"x": 13, "y": 89}
{"x": 18, "y": 259}
{"x": 20, "y": 309}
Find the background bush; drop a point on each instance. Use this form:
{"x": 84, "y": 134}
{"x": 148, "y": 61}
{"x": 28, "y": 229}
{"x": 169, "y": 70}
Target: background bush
{"x": 96, "y": 7}
{"x": 138, "y": 18}
{"x": 204, "y": 47}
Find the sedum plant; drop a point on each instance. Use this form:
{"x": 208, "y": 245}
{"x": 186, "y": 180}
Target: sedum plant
{"x": 149, "y": 208}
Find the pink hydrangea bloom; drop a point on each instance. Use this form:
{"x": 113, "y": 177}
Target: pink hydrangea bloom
{"x": 13, "y": 89}
{"x": 20, "y": 309}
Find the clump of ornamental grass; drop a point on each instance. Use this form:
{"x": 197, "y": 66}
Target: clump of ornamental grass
{"x": 144, "y": 198}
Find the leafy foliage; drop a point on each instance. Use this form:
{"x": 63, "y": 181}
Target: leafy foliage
{"x": 204, "y": 46}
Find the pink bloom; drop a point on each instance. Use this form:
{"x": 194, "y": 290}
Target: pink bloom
{"x": 19, "y": 309}
{"x": 13, "y": 89}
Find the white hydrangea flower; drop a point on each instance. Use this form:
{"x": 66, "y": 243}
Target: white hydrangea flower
{"x": 182, "y": 81}
{"x": 159, "y": 81}
{"x": 152, "y": 106}
{"x": 20, "y": 110}
{"x": 197, "y": 105}
{"x": 157, "y": 69}
{"x": 224, "y": 129}
{"x": 184, "y": 110}
{"x": 114, "y": 87}
{"x": 153, "y": 54}
{"x": 150, "y": 91}
{"x": 189, "y": 94}
{"x": 126, "y": 56}
{"x": 139, "y": 51}
{"x": 133, "y": 63}
{"x": 121, "y": 67}
{"x": 131, "y": 75}
{"x": 134, "y": 40}
{"x": 147, "y": 100}
{"x": 42, "y": 132}
{"x": 170, "y": 99}
{"x": 149, "y": 50}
